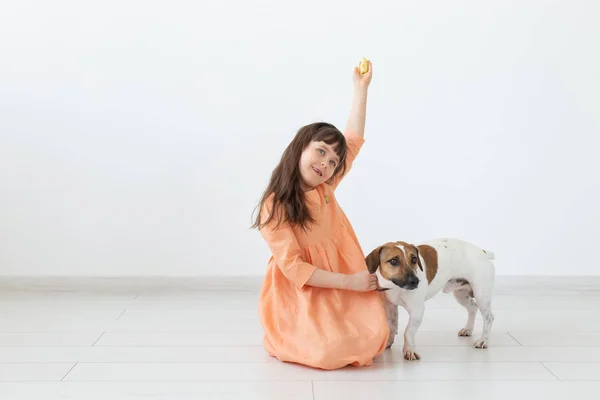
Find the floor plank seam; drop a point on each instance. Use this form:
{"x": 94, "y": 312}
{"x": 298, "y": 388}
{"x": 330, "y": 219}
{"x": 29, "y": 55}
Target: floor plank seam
{"x": 68, "y": 372}
{"x": 423, "y": 381}
{"x": 515, "y": 339}
{"x": 545, "y": 366}
{"x": 94, "y": 342}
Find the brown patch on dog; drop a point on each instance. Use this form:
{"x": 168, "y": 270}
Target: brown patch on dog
{"x": 391, "y": 261}
{"x": 430, "y": 256}
{"x": 372, "y": 259}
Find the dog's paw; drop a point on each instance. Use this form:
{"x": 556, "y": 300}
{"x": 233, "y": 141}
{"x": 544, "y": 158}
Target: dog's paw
{"x": 411, "y": 355}
{"x": 390, "y": 340}
{"x": 480, "y": 344}
{"x": 465, "y": 332}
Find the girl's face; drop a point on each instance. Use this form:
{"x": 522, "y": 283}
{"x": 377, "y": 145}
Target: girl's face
{"x": 317, "y": 164}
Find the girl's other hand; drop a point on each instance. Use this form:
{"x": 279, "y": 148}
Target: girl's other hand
{"x": 362, "y": 81}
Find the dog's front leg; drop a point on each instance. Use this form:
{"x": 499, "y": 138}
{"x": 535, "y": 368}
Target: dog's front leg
{"x": 391, "y": 311}
{"x": 415, "y": 319}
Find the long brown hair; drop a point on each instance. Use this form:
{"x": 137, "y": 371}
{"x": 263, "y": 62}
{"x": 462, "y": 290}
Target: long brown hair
{"x": 286, "y": 182}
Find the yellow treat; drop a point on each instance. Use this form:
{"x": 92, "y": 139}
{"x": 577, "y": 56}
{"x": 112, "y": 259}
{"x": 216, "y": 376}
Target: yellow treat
{"x": 364, "y": 66}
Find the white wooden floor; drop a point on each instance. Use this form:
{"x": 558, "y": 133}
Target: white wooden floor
{"x": 208, "y": 345}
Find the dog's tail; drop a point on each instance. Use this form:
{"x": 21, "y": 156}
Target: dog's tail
{"x": 490, "y": 254}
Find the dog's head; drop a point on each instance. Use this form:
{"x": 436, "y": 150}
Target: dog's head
{"x": 396, "y": 264}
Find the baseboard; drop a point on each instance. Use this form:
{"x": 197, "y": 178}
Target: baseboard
{"x": 507, "y": 284}
{"x": 130, "y": 284}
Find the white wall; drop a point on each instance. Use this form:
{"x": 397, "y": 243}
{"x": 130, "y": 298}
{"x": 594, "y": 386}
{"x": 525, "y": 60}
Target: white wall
{"x": 136, "y": 137}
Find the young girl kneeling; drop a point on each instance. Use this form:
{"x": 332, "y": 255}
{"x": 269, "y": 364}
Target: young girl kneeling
{"x": 318, "y": 304}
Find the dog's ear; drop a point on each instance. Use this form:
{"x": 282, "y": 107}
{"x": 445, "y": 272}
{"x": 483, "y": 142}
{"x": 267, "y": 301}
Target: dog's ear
{"x": 372, "y": 260}
{"x": 418, "y": 258}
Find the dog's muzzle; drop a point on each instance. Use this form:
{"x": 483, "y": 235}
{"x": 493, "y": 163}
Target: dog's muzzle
{"x": 409, "y": 283}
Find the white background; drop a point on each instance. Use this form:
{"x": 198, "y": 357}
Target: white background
{"x": 137, "y": 137}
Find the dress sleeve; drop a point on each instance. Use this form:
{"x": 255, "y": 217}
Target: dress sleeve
{"x": 354, "y": 143}
{"x": 286, "y": 251}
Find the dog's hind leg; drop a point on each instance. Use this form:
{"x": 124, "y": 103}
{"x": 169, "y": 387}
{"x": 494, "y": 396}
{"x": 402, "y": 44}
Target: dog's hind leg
{"x": 483, "y": 291}
{"x": 485, "y": 307}
{"x": 464, "y": 296}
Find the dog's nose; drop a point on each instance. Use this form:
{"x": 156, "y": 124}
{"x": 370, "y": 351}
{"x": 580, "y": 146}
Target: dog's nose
{"x": 413, "y": 280}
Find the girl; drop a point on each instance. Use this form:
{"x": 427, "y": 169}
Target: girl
{"x": 318, "y": 305}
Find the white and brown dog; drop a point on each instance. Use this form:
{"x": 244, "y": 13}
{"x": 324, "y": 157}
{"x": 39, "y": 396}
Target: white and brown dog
{"x": 409, "y": 275}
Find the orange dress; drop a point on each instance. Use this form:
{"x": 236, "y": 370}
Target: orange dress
{"x": 319, "y": 327}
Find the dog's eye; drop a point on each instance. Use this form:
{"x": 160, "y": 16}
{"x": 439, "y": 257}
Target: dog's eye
{"x": 413, "y": 259}
{"x": 394, "y": 262}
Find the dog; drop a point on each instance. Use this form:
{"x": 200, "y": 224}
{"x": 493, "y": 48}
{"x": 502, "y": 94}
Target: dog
{"x": 409, "y": 275}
